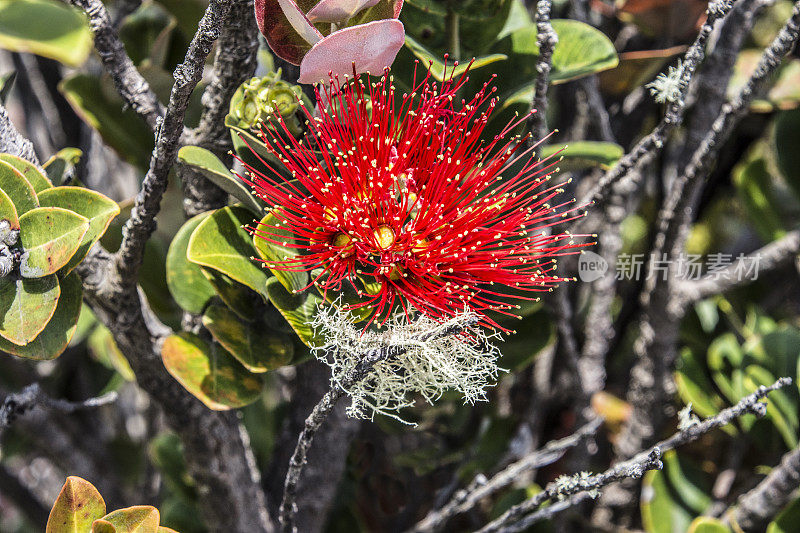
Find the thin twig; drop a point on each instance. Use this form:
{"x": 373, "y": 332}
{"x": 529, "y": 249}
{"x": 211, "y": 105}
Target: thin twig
{"x": 18, "y": 404}
{"x": 130, "y": 84}
{"x": 636, "y": 467}
{"x": 234, "y": 63}
{"x": 314, "y": 421}
{"x": 755, "y": 509}
{"x": 769, "y": 258}
{"x": 651, "y": 144}
{"x": 142, "y": 223}
{"x": 480, "y": 488}
{"x": 546, "y": 40}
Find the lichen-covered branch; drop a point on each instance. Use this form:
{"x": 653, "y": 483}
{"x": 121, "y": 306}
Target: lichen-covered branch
{"x": 234, "y": 63}
{"x": 130, "y": 84}
{"x": 755, "y": 509}
{"x": 480, "y": 488}
{"x": 769, "y": 258}
{"x": 635, "y": 467}
{"x": 546, "y": 40}
{"x": 18, "y": 404}
{"x": 652, "y": 143}
{"x": 142, "y": 223}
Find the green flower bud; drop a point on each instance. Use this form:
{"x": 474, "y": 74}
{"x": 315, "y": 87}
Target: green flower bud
{"x": 259, "y": 100}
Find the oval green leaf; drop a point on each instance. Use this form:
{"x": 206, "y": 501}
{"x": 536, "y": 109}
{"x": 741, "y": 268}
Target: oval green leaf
{"x": 49, "y": 236}
{"x": 99, "y": 209}
{"x": 55, "y": 338}
{"x": 220, "y": 242}
{"x": 137, "y": 519}
{"x": 95, "y": 100}
{"x": 14, "y": 184}
{"x": 254, "y": 345}
{"x": 239, "y": 298}
{"x": 438, "y": 70}
{"x": 581, "y": 50}
{"x": 45, "y": 28}
{"x": 77, "y": 506}
{"x": 26, "y": 306}
{"x": 186, "y": 282}
{"x": 209, "y": 165}
{"x": 706, "y": 524}
{"x": 209, "y": 373}
{"x": 584, "y": 154}
{"x": 103, "y": 526}
{"x": 61, "y": 166}
{"x": 298, "y": 309}
{"x": 7, "y": 210}
{"x": 269, "y": 251}
{"x": 31, "y": 173}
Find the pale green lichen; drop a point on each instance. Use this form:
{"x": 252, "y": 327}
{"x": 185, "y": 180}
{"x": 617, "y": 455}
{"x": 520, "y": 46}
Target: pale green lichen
{"x": 465, "y": 362}
{"x": 668, "y": 87}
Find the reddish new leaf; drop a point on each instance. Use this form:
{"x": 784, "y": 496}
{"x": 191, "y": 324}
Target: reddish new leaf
{"x": 372, "y": 47}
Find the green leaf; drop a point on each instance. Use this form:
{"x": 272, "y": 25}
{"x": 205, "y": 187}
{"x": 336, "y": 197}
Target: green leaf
{"x": 753, "y": 183}
{"x": 77, "y": 506}
{"x": 6, "y": 84}
{"x": 185, "y": 280}
{"x": 694, "y": 386}
{"x": 255, "y": 346}
{"x": 209, "y": 165}
{"x": 660, "y": 512}
{"x": 98, "y": 104}
{"x": 581, "y": 50}
{"x": 7, "y": 211}
{"x": 137, "y": 519}
{"x": 585, "y": 154}
{"x": 688, "y": 482}
{"x": 298, "y": 309}
{"x": 61, "y": 166}
{"x": 18, "y": 189}
{"x": 438, "y": 71}
{"x": 209, "y": 372}
{"x": 56, "y": 336}
{"x": 31, "y": 173}
{"x": 26, "y": 306}
{"x": 243, "y": 301}
{"x": 781, "y": 410}
{"x": 787, "y": 139}
{"x": 97, "y": 208}
{"x": 706, "y": 524}
{"x": 49, "y": 236}
{"x": 46, "y": 28}
{"x": 268, "y": 251}
{"x": 220, "y": 242}
{"x": 104, "y": 349}
{"x": 103, "y": 526}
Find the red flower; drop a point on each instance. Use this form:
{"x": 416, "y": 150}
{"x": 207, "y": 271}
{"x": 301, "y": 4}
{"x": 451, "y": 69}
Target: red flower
{"x": 409, "y": 205}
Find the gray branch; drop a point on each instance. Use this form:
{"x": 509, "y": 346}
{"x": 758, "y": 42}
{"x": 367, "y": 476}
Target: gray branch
{"x": 234, "y": 63}
{"x": 650, "y": 145}
{"x": 758, "y": 507}
{"x": 559, "y": 489}
{"x": 141, "y": 224}
{"x": 769, "y": 258}
{"x": 655, "y": 346}
{"x": 635, "y": 467}
{"x": 12, "y": 142}
{"x": 480, "y": 488}
{"x": 546, "y": 39}
{"x": 18, "y": 404}
{"x": 130, "y": 84}
{"x": 319, "y": 414}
